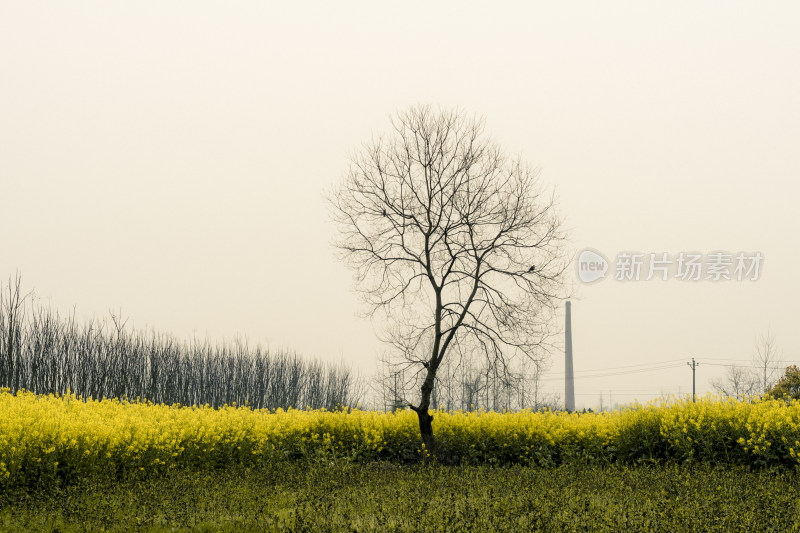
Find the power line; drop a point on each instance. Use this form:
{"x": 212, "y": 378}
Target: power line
{"x": 624, "y": 366}
{"x": 602, "y": 374}
{"x": 728, "y": 359}
{"x": 673, "y": 391}
{"x": 637, "y": 371}
{"x": 651, "y": 367}
{"x": 756, "y": 366}
{"x": 665, "y": 390}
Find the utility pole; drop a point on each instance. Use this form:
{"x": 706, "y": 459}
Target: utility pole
{"x": 694, "y": 365}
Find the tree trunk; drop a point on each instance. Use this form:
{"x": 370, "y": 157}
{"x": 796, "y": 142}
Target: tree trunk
{"x": 426, "y": 430}
{"x": 425, "y": 418}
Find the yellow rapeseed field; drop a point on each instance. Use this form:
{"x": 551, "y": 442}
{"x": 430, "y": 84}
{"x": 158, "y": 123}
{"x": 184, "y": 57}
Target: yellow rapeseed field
{"x": 45, "y": 438}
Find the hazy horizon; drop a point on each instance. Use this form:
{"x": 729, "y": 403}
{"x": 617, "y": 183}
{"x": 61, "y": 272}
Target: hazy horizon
{"x": 170, "y": 161}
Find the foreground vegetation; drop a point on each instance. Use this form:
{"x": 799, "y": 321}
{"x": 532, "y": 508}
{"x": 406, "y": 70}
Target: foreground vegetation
{"x": 72, "y": 464}
{"x": 299, "y": 496}
{"x": 50, "y": 440}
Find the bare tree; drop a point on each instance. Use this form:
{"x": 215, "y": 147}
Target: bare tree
{"x": 767, "y": 361}
{"x": 455, "y": 246}
{"x": 12, "y": 319}
{"x": 743, "y": 382}
{"x": 738, "y": 382}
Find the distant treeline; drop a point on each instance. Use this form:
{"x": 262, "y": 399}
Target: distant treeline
{"x": 45, "y": 352}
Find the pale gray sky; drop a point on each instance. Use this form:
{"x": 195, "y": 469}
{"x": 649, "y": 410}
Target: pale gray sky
{"x": 170, "y": 159}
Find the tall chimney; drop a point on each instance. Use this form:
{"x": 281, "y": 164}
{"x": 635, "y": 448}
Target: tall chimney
{"x": 569, "y": 380}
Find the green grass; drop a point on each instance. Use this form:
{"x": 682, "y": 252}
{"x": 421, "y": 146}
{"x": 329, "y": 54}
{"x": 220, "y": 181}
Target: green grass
{"x": 385, "y": 497}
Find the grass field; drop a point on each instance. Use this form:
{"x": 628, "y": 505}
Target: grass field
{"x": 294, "y": 496}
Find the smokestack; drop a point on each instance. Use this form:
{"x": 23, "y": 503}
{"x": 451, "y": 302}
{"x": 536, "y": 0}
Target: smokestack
{"x": 569, "y": 380}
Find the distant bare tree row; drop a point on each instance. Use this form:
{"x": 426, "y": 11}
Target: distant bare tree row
{"x": 466, "y": 385}
{"x": 45, "y": 352}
